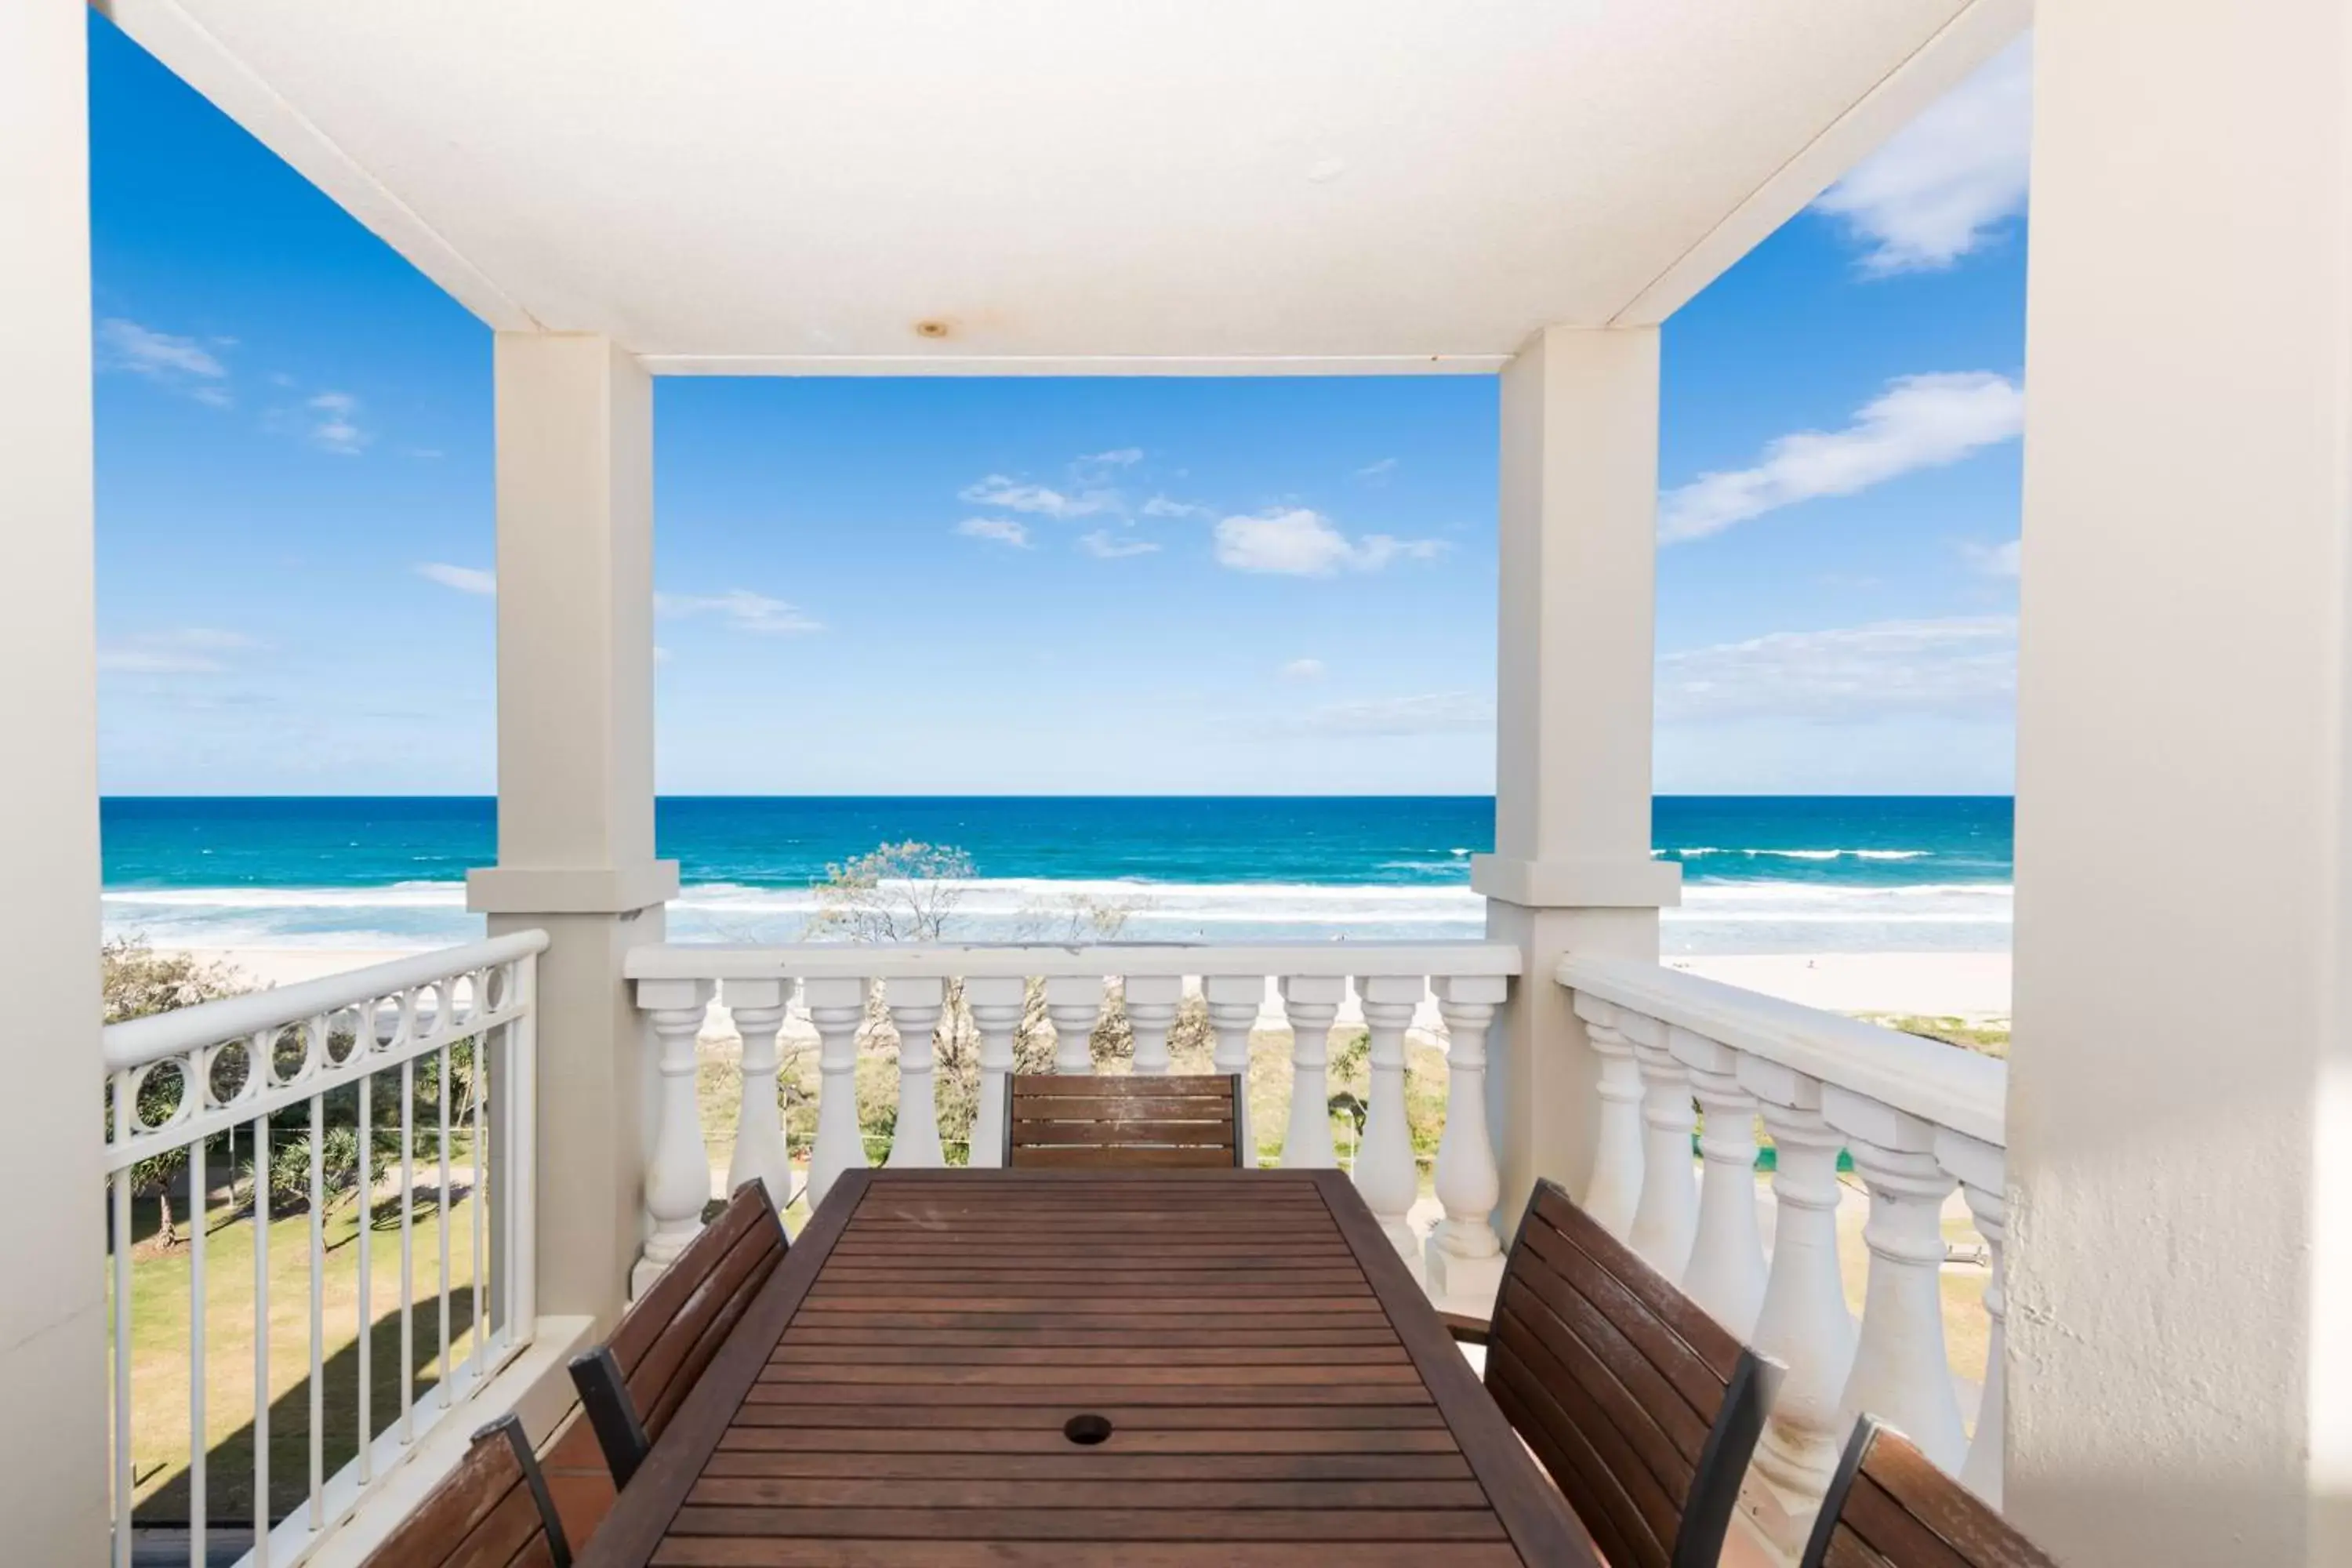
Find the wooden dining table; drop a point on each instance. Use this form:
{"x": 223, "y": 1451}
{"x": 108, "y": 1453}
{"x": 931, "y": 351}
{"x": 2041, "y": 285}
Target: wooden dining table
{"x": 1164, "y": 1369}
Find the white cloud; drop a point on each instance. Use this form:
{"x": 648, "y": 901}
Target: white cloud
{"x": 1961, "y": 664}
{"x": 1104, "y": 545}
{"x": 1431, "y": 713}
{"x": 1917, "y": 421}
{"x": 996, "y": 530}
{"x": 1377, "y": 470}
{"x": 334, "y": 424}
{"x": 1116, "y": 457}
{"x": 183, "y": 365}
{"x": 1165, "y": 506}
{"x": 1299, "y": 542}
{"x": 1993, "y": 560}
{"x": 1039, "y": 501}
{"x": 1947, "y": 183}
{"x": 465, "y": 579}
{"x": 741, "y": 610}
{"x": 192, "y": 650}
{"x": 1303, "y": 669}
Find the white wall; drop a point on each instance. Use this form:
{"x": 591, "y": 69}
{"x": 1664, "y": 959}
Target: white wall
{"x": 2180, "y": 1107}
{"x": 53, "y": 1332}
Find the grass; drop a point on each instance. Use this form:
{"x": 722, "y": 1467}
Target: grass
{"x": 160, "y": 1349}
{"x": 1989, "y": 1036}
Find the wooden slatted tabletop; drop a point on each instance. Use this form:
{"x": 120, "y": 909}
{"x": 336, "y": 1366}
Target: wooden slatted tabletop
{"x": 1277, "y": 1388}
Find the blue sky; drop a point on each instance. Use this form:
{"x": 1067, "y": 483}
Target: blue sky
{"x": 1045, "y": 587}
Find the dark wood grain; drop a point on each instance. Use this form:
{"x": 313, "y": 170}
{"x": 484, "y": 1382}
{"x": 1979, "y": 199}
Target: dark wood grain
{"x": 1088, "y": 1122}
{"x": 1279, "y": 1391}
{"x": 482, "y": 1515}
{"x": 1890, "y": 1507}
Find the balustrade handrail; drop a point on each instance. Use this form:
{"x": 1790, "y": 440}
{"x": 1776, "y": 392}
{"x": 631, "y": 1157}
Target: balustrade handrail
{"x": 864, "y": 961}
{"x": 139, "y": 1041}
{"x": 1962, "y": 1090}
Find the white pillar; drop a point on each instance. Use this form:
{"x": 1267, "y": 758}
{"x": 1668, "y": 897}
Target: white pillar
{"x": 997, "y": 1003}
{"x": 2181, "y": 1094}
{"x": 678, "y": 1167}
{"x": 1978, "y": 1167}
{"x": 1666, "y": 1216}
{"x": 1073, "y": 1002}
{"x": 53, "y": 1328}
{"x": 915, "y": 1005}
{"x": 1726, "y": 1258}
{"x": 1614, "y": 1185}
{"x": 1233, "y": 1001}
{"x": 1153, "y": 1001}
{"x": 1571, "y": 869}
{"x": 1385, "y": 1173}
{"x": 1311, "y": 1002}
{"x": 576, "y": 782}
{"x": 760, "y": 1152}
{"x": 1461, "y": 1263}
{"x": 837, "y": 1007}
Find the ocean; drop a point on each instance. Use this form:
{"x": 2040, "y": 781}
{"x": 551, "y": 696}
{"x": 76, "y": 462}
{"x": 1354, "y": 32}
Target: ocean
{"x": 1762, "y": 874}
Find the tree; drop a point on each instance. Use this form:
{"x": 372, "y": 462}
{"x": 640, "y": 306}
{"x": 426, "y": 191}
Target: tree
{"x": 137, "y": 983}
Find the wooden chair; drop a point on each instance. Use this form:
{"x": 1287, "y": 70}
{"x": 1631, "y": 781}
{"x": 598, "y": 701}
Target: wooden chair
{"x": 1643, "y": 1407}
{"x": 632, "y": 1384}
{"x": 1131, "y": 1122}
{"x": 1889, "y": 1507}
{"x": 491, "y": 1512}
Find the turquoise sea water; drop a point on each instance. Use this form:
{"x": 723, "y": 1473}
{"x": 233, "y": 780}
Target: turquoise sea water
{"x": 1762, "y": 874}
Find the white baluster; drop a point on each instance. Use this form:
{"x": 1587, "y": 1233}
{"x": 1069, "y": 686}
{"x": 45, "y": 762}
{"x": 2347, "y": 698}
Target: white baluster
{"x": 1152, "y": 1004}
{"x": 1666, "y": 1217}
{"x": 1900, "y": 1372}
{"x": 758, "y": 1006}
{"x": 1463, "y": 1262}
{"x": 677, "y": 1173}
{"x": 1804, "y": 1323}
{"x": 915, "y": 1005}
{"x": 1310, "y": 1002}
{"x": 996, "y": 1002}
{"x": 1234, "y": 1002}
{"x": 1979, "y": 1167}
{"x": 1385, "y": 1174}
{"x": 837, "y": 1007}
{"x": 1727, "y": 1263}
{"x": 1614, "y": 1188}
{"x": 1075, "y": 1004}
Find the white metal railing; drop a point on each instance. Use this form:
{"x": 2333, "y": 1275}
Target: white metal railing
{"x": 1914, "y": 1116}
{"x": 917, "y": 985}
{"x": 313, "y": 1054}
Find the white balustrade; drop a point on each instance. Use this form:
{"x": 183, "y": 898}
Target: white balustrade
{"x": 1233, "y": 1001}
{"x": 1615, "y": 1187}
{"x": 1073, "y": 1002}
{"x": 1311, "y": 1002}
{"x": 996, "y": 1002}
{"x": 758, "y": 1008}
{"x": 915, "y": 1005}
{"x": 1385, "y": 1174}
{"x": 837, "y": 1005}
{"x": 1463, "y": 1260}
{"x": 257, "y": 1069}
{"x": 1915, "y": 1116}
{"x": 677, "y": 1171}
{"x": 1152, "y": 1002}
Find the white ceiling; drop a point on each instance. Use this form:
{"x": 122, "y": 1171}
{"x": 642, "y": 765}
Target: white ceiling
{"x": 1070, "y": 184}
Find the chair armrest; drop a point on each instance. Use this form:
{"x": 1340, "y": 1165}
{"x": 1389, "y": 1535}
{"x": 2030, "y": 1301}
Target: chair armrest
{"x": 1467, "y": 1330}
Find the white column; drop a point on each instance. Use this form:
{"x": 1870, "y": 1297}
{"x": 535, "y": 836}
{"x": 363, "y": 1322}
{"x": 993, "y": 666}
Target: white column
{"x": 1977, "y": 1168}
{"x": 1385, "y": 1173}
{"x": 1726, "y": 1259}
{"x": 53, "y": 1318}
{"x": 1463, "y": 1262}
{"x": 1666, "y": 1217}
{"x": 1073, "y": 1002}
{"x": 758, "y": 1008}
{"x": 1615, "y": 1187}
{"x": 1571, "y": 869}
{"x": 1152, "y": 1004}
{"x": 837, "y": 1008}
{"x": 1804, "y": 1323}
{"x": 1311, "y": 1002}
{"x": 576, "y": 782}
{"x": 2181, "y": 1097}
{"x": 915, "y": 1005}
{"x": 1901, "y": 1372}
{"x": 1233, "y": 1001}
{"x": 996, "y": 1002}
{"x": 677, "y": 1173}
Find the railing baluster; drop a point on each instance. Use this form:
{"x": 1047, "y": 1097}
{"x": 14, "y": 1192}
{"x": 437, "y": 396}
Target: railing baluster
{"x": 1727, "y": 1265}
{"x": 996, "y": 1002}
{"x": 915, "y": 1005}
{"x": 1073, "y": 1002}
{"x": 444, "y": 1208}
{"x": 1463, "y": 1262}
{"x": 261, "y": 1060}
{"x": 1153, "y": 1001}
{"x": 1613, "y": 1189}
{"x": 1901, "y": 1372}
{"x": 837, "y": 1007}
{"x": 1311, "y": 1002}
{"x": 477, "y": 1202}
{"x": 761, "y": 1155}
{"x": 198, "y": 1211}
{"x": 1234, "y": 1003}
{"x": 1979, "y": 1169}
{"x": 125, "y": 1095}
{"x": 1666, "y": 1217}
{"x": 365, "y": 1244}
{"x": 317, "y": 1433}
{"x": 1385, "y": 1173}
{"x": 407, "y": 1245}
{"x": 677, "y": 1172}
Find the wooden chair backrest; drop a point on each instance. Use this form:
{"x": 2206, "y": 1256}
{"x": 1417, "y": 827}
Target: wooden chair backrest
{"x": 1135, "y": 1122}
{"x": 668, "y": 1335}
{"x": 1890, "y": 1507}
{"x": 1643, "y": 1407}
{"x": 491, "y": 1512}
